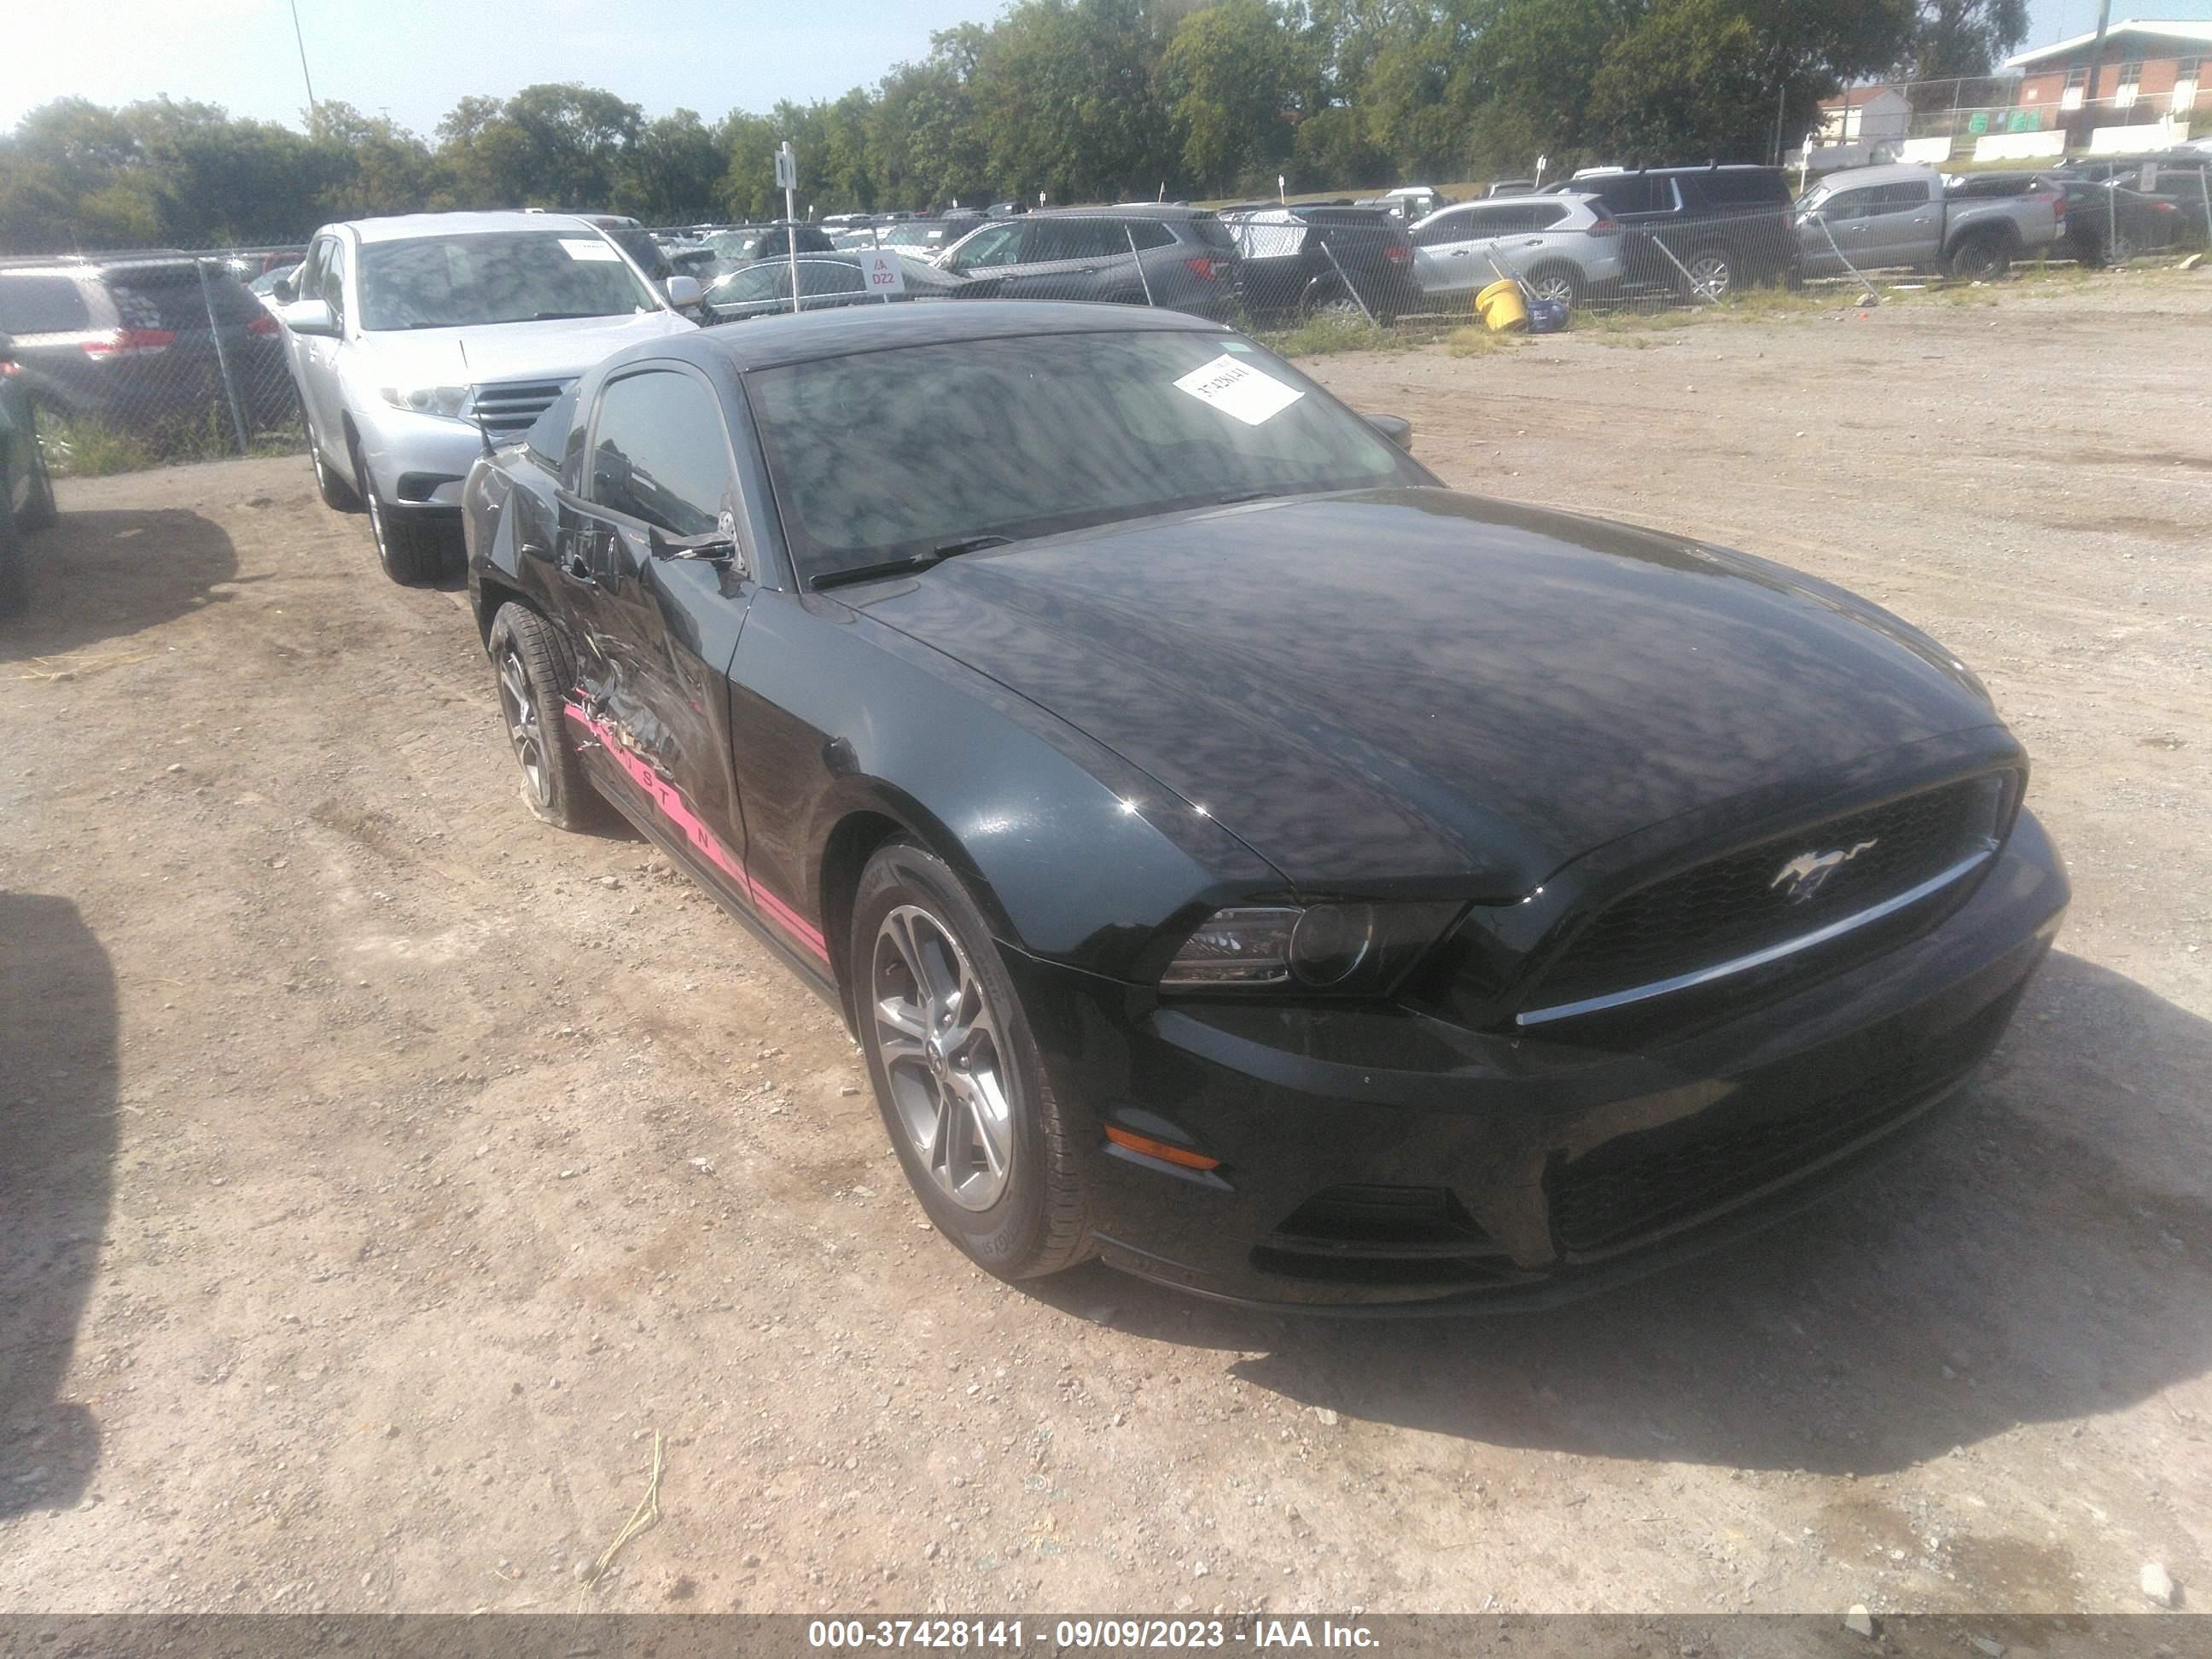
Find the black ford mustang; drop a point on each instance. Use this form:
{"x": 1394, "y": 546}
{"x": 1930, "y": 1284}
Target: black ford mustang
{"x": 1239, "y": 856}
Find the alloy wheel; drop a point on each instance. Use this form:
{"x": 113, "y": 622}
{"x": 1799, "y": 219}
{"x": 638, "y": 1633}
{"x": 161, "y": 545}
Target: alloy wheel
{"x": 939, "y": 1038}
{"x": 1556, "y": 286}
{"x": 523, "y": 729}
{"x": 1712, "y": 275}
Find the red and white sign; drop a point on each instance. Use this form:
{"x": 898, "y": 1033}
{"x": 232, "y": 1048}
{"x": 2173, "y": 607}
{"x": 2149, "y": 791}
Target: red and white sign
{"x": 881, "y": 271}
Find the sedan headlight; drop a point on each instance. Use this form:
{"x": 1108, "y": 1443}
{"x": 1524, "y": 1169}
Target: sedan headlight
{"x": 1342, "y": 949}
{"x": 455, "y": 402}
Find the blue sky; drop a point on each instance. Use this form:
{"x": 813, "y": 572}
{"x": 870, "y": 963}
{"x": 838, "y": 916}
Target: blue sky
{"x": 415, "y": 58}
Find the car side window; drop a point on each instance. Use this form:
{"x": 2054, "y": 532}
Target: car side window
{"x": 995, "y": 245}
{"x": 1901, "y": 198}
{"x": 1150, "y": 233}
{"x": 1544, "y": 217}
{"x": 760, "y": 282}
{"x": 660, "y": 453}
{"x": 41, "y": 305}
{"x": 331, "y": 287}
{"x": 1850, "y": 204}
{"x": 818, "y": 276}
{"x": 1449, "y": 228}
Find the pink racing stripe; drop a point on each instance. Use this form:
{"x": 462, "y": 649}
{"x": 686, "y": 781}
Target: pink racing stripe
{"x": 663, "y": 795}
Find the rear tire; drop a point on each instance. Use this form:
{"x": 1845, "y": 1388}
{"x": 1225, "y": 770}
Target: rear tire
{"x": 1984, "y": 257}
{"x": 985, "y": 1143}
{"x": 1713, "y": 274}
{"x": 411, "y": 552}
{"x": 534, "y": 675}
{"x": 1563, "y": 283}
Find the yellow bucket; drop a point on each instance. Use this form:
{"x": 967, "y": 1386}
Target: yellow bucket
{"x": 1501, "y": 308}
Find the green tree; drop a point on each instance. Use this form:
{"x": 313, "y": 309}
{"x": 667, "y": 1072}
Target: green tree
{"x": 1235, "y": 81}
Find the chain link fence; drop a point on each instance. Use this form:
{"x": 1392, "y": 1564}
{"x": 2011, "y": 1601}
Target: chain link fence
{"x": 135, "y": 361}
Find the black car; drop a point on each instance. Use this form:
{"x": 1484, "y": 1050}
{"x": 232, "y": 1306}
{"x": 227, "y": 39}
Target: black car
{"x": 1240, "y": 856}
{"x": 825, "y": 282}
{"x": 1308, "y": 257}
{"x": 137, "y": 341}
{"x": 1694, "y": 231}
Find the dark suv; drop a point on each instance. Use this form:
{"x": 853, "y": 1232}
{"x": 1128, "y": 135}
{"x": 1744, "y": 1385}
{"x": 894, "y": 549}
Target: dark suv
{"x": 1706, "y": 230}
{"x": 1315, "y": 256}
{"x": 136, "y": 341}
{"x": 1179, "y": 259}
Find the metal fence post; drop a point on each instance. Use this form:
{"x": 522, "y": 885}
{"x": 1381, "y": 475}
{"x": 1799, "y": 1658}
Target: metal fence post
{"x": 222, "y": 356}
{"x": 2204, "y": 189}
{"x": 1349, "y": 287}
{"x": 1129, "y": 231}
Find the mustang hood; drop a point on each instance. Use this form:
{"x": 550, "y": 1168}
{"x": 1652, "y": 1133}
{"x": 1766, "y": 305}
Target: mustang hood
{"x": 1413, "y": 685}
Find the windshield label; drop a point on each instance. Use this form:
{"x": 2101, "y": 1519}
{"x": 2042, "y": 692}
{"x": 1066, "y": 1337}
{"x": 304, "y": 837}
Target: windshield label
{"x": 1239, "y": 390}
{"x": 590, "y": 251}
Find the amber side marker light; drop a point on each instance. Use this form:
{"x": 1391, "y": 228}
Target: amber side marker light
{"x": 1166, "y": 1151}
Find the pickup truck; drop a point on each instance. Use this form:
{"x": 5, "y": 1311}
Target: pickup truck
{"x": 1866, "y": 218}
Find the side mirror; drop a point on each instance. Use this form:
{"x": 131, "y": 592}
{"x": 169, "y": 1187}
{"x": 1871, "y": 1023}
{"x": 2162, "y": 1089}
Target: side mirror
{"x": 1396, "y": 428}
{"x": 287, "y": 287}
{"x": 684, "y": 291}
{"x": 311, "y": 317}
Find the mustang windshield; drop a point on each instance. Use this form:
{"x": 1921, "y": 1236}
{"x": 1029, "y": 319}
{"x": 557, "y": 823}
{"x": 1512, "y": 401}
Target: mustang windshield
{"x": 507, "y": 276}
{"x": 888, "y": 455}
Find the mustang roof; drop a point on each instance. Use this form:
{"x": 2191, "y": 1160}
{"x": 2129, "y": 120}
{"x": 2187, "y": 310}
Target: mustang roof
{"x": 773, "y": 342}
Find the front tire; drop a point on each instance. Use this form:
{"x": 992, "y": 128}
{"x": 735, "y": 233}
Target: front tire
{"x": 337, "y": 494}
{"x": 534, "y": 675}
{"x": 412, "y": 553}
{"x": 986, "y": 1145}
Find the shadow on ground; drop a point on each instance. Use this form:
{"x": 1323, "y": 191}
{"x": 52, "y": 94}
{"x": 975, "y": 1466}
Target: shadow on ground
{"x": 57, "y": 1135}
{"x": 106, "y": 575}
{"x": 2044, "y": 1256}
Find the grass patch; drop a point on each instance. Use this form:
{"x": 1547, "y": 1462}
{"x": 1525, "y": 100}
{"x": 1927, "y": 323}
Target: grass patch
{"x": 1478, "y": 341}
{"x": 85, "y": 448}
{"x": 1333, "y": 331}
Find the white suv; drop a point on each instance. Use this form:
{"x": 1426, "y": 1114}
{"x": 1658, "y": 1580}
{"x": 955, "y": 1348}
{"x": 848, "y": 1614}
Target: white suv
{"x": 1564, "y": 247}
{"x": 420, "y": 341}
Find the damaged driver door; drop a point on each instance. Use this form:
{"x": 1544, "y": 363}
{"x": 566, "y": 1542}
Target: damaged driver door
{"x": 660, "y": 587}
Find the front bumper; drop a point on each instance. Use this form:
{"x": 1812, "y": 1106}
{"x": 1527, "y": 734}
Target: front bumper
{"x": 417, "y": 461}
{"x": 1382, "y": 1160}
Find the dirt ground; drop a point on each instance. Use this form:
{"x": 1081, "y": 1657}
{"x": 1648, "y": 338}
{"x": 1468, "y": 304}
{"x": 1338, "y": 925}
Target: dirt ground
{"x": 383, "y": 1171}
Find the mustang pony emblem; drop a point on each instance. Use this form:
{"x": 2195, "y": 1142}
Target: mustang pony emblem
{"x": 1808, "y": 872}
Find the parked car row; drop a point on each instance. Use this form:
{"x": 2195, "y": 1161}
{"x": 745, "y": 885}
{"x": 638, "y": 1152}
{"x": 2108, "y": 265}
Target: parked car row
{"x": 27, "y": 487}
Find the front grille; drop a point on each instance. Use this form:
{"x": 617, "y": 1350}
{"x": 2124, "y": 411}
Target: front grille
{"x": 1741, "y": 903}
{"x": 1641, "y": 1182}
{"x": 514, "y": 408}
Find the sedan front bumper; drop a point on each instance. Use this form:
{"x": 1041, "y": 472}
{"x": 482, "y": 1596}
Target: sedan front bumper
{"x": 1374, "y": 1160}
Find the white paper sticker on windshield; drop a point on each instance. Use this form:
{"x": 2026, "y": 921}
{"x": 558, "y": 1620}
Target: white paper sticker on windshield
{"x": 1239, "y": 389}
{"x": 590, "y": 249}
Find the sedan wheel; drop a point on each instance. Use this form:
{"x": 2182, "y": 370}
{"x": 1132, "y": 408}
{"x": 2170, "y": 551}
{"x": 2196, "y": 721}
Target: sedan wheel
{"x": 1556, "y": 283}
{"x": 523, "y": 729}
{"x": 937, "y": 1034}
{"x": 978, "y": 1128}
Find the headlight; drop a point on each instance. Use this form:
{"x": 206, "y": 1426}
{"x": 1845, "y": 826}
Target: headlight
{"x": 455, "y": 402}
{"x": 1344, "y": 949}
